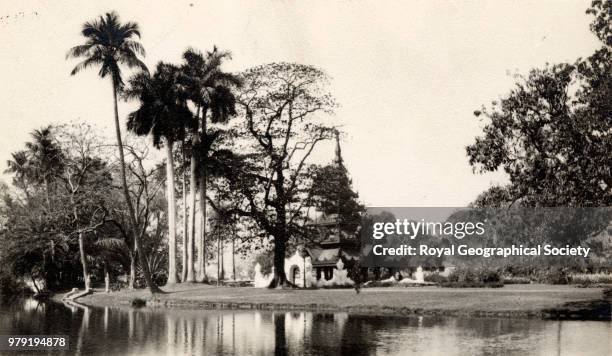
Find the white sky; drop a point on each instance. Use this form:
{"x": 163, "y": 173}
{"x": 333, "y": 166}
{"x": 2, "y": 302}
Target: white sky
{"x": 408, "y": 74}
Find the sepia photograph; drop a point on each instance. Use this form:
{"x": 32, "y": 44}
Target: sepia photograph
{"x": 306, "y": 177}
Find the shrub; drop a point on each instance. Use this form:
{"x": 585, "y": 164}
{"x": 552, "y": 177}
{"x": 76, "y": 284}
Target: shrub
{"x": 553, "y": 275}
{"x": 118, "y": 285}
{"x": 471, "y": 277}
{"x": 9, "y": 286}
{"x": 138, "y": 303}
{"x": 516, "y": 280}
{"x": 590, "y": 278}
{"x": 435, "y": 278}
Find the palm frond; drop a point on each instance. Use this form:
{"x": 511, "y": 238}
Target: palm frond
{"x": 91, "y": 61}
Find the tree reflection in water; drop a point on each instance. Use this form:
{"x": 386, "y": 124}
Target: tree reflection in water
{"x": 127, "y": 331}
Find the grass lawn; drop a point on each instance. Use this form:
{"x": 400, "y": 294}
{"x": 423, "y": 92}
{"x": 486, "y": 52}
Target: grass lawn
{"x": 509, "y": 301}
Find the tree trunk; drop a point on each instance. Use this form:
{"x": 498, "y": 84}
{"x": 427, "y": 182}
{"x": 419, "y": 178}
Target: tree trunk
{"x": 218, "y": 260}
{"x": 83, "y": 261}
{"x": 192, "y": 214}
{"x": 132, "y": 277}
{"x": 143, "y": 262}
{"x": 234, "y": 256}
{"x": 185, "y": 226}
{"x": 202, "y": 240}
{"x": 222, "y": 258}
{"x": 280, "y": 278}
{"x": 171, "y": 213}
{"x": 106, "y": 278}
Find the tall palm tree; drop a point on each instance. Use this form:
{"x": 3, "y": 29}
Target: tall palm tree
{"x": 209, "y": 88}
{"x": 163, "y": 114}
{"x": 110, "y": 44}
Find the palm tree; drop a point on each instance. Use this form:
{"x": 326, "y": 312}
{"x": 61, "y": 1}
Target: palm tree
{"x": 209, "y": 89}
{"x": 19, "y": 166}
{"x": 163, "y": 114}
{"x": 45, "y": 159}
{"x": 109, "y": 44}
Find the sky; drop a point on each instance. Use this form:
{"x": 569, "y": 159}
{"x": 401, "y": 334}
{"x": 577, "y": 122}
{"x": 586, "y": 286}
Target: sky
{"x": 408, "y": 75}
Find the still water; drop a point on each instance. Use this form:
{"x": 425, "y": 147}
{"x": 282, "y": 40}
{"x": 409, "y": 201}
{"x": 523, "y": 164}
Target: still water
{"x": 146, "y": 331}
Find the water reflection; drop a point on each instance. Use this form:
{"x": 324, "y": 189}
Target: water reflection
{"x": 127, "y": 331}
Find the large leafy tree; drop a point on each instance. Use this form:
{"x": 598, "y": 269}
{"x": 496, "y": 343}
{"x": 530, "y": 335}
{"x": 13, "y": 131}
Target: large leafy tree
{"x": 552, "y": 134}
{"x": 284, "y": 106}
{"x": 163, "y": 114}
{"x": 84, "y": 194}
{"x": 110, "y": 44}
{"x": 210, "y": 90}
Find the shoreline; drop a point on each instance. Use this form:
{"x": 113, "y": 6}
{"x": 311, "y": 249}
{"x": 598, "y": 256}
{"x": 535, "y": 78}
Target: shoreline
{"x": 531, "y": 301}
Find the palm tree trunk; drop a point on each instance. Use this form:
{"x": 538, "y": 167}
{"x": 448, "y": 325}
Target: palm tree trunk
{"x": 218, "y": 260}
{"x": 143, "y": 262}
{"x": 192, "y": 213}
{"x": 202, "y": 240}
{"x": 171, "y": 213}
{"x": 185, "y": 225}
{"x": 83, "y": 261}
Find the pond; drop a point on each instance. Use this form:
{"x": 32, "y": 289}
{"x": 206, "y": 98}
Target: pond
{"x": 148, "y": 331}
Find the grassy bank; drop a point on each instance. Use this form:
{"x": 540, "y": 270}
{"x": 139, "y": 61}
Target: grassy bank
{"x": 520, "y": 301}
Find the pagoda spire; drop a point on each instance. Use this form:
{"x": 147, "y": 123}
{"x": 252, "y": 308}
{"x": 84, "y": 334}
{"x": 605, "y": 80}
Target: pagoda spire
{"x": 338, "y": 159}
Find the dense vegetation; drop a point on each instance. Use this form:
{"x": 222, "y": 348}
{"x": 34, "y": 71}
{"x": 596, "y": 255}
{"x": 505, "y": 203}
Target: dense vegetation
{"x": 82, "y": 209}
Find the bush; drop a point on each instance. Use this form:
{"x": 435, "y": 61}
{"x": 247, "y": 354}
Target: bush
{"x": 138, "y": 303}
{"x": 516, "y": 280}
{"x": 10, "y": 287}
{"x": 435, "y": 278}
{"x": 470, "y": 277}
{"x": 590, "y": 278}
{"x": 553, "y": 275}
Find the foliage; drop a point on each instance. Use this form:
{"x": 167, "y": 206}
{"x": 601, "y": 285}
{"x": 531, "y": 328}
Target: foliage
{"x": 516, "y": 280}
{"x": 279, "y": 103}
{"x": 435, "y": 278}
{"x": 265, "y": 260}
{"x": 551, "y": 133}
{"x": 76, "y": 199}
{"x": 163, "y": 111}
{"x": 590, "y": 278}
{"x": 332, "y": 193}
{"x": 469, "y": 277}
{"x": 552, "y": 275}
{"x": 108, "y": 44}
{"x": 10, "y": 287}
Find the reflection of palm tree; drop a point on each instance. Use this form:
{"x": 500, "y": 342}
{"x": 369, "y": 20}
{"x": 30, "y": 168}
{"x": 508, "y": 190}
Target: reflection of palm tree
{"x": 163, "y": 114}
{"x": 109, "y": 44}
